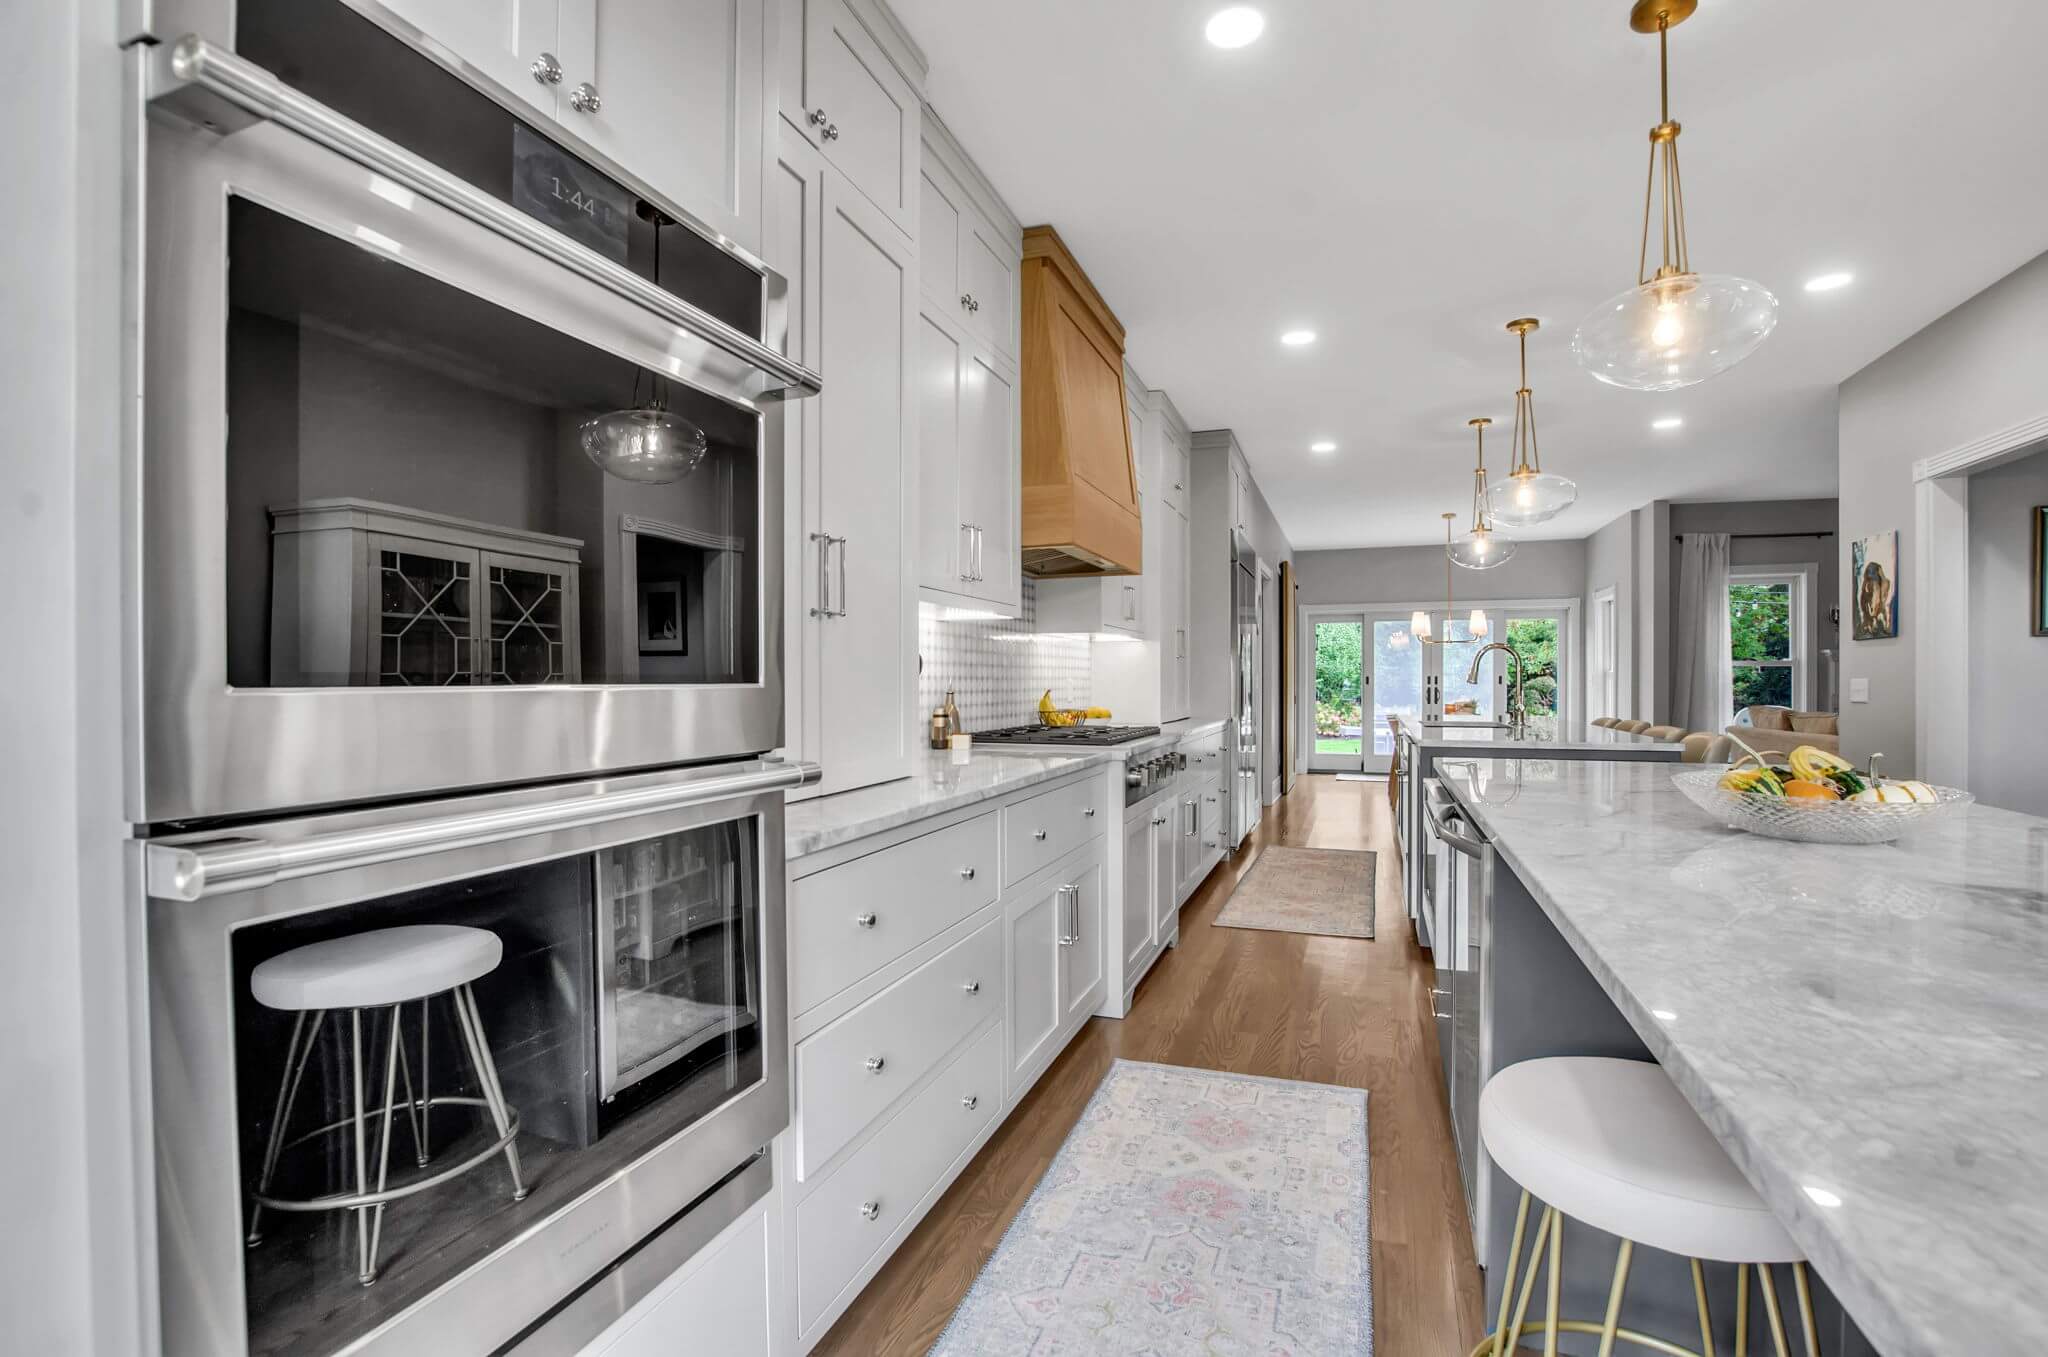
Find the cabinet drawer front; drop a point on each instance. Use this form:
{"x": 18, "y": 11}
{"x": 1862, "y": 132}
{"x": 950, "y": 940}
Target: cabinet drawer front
{"x": 1049, "y": 826}
{"x": 849, "y": 1073}
{"x": 892, "y": 1173}
{"x": 849, "y": 921}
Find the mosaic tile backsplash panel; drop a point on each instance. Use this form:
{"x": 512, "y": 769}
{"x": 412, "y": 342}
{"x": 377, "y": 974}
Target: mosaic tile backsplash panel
{"x": 998, "y": 669}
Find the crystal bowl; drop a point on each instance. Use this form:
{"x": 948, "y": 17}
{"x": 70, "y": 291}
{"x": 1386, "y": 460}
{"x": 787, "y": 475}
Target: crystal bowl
{"x": 1804, "y": 821}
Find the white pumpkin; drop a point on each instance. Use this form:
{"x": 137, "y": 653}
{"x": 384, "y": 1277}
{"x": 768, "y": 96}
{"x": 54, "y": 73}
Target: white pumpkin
{"x": 1897, "y": 793}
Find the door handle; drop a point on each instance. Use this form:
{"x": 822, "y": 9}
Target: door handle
{"x": 842, "y": 577}
{"x": 1070, "y": 926}
{"x": 823, "y": 607}
{"x": 966, "y": 545}
{"x": 976, "y": 527}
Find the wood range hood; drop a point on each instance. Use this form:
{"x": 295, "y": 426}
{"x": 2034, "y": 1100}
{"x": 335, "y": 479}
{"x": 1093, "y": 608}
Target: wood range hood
{"x": 1080, "y": 497}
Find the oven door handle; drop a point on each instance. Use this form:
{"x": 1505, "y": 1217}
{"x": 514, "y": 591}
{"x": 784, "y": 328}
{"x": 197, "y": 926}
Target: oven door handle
{"x": 192, "y": 65}
{"x": 195, "y": 871}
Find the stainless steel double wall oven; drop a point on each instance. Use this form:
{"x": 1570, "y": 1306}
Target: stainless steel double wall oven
{"x": 460, "y": 578}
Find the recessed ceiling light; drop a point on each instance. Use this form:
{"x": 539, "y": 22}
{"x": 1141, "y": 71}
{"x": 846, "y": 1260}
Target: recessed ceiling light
{"x": 1828, "y": 282}
{"x": 1294, "y": 339}
{"x": 1325, "y": 446}
{"x": 1667, "y": 422}
{"x": 1238, "y": 26}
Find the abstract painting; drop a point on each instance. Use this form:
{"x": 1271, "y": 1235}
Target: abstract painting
{"x": 1874, "y": 585}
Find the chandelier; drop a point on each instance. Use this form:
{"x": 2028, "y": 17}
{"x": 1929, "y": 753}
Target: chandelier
{"x": 1418, "y": 622}
{"x": 1675, "y": 327}
{"x": 1529, "y": 495}
{"x": 1481, "y": 548}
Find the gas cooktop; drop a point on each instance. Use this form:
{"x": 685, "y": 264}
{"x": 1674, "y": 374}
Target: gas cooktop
{"x": 1065, "y": 735}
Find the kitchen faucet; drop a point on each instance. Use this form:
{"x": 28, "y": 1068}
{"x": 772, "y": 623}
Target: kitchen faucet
{"x": 1518, "y": 701}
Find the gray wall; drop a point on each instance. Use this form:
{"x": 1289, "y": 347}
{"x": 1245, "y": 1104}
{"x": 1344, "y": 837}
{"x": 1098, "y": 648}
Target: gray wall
{"x": 2009, "y": 669}
{"x": 1611, "y": 562}
{"x": 1976, "y": 370}
{"x": 76, "y": 1264}
{"x": 1368, "y": 575}
{"x": 1785, "y": 516}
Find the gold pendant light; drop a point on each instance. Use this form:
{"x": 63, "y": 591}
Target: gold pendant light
{"x": 1529, "y": 495}
{"x": 1675, "y": 327}
{"x": 1481, "y": 548}
{"x": 1476, "y": 626}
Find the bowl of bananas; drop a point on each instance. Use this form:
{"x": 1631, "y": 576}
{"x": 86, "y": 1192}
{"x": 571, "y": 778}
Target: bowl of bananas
{"x": 1815, "y": 796}
{"x": 1050, "y": 714}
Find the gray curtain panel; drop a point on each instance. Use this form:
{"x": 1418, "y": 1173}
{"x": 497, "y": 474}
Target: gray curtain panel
{"x": 1703, "y": 678}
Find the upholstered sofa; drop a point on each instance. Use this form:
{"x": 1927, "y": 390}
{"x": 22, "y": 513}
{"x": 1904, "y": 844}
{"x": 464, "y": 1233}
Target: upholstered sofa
{"x": 1781, "y": 730}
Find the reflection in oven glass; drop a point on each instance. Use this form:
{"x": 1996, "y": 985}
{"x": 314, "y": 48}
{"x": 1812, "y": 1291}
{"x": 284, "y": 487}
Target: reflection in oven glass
{"x": 604, "y": 1002}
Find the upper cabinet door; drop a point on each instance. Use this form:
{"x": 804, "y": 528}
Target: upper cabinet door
{"x": 506, "y": 41}
{"x": 990, "y": 477}
{"x": 988, "y": 276}
{"x": 945, "y": 547}
{"x": 862, "y": 113}
{"x": 673, "y": 93}
{"x": 942, "y": 221}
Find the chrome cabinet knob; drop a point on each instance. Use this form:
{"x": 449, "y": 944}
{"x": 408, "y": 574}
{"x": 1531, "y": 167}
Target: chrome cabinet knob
{"x": 870, "y": 1210}
{"x": 972, "y": 987}
{"x": 966, "y": 301}
{"x": 1038, "y": 834}
{"x": 817, "y": 117}
{"x": 971, "y": 1101}
{"x": 584, "y": 98}
{"x": 1090, "y": 812}
{"x": 967, "y": 874}
{"x": 875, "y": 1064}
{"x": 865, "y": 920}
{"x": 547, "y": 70}
{"x": 1160, "y": 820}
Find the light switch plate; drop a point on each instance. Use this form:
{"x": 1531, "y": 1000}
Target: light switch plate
{"x": 1859, "y": 690}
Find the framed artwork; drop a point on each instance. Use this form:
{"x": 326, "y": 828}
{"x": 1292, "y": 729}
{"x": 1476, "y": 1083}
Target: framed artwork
{"x": 2040, "y": 572}
{"x": 1874, "y": 589}
{"x": 663, "y": 629}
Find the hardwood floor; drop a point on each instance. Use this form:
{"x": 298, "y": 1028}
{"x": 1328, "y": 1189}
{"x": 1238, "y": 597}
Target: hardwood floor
{"x": 1333, "y": 1010}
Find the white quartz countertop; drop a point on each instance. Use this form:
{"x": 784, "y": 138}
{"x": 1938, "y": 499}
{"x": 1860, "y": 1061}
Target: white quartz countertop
{"x": 1864, "y": 1028}
{"x": 1188, "y": 728}
{"x": 1596, "y": 740}
{"x": 936, "y": 786}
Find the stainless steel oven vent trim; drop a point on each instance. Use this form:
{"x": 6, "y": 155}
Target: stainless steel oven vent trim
{"x": 196, "y": 870}
{"x": 193, "y": 64}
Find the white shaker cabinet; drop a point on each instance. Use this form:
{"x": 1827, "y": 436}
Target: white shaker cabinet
{"x": 674, "y": 95}
{"x": 970, "y": 258}
{"x": 841, "y": 90}
{"x": 852, "y": 616}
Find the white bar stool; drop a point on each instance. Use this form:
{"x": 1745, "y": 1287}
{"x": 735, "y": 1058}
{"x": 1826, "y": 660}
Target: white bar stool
{"x": 384, "y": 969}
{"x": 1614, "y": 1144}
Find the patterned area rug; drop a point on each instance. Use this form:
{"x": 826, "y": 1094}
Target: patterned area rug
{"x": 1306, "y": 890}
{"x": 1189, "y": 1211}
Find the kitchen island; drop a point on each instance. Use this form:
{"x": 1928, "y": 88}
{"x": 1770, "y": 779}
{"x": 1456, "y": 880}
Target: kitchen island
{"x": 1864, "y": 1029}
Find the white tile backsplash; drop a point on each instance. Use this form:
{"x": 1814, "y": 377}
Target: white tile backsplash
{"x": 998, "y": 669}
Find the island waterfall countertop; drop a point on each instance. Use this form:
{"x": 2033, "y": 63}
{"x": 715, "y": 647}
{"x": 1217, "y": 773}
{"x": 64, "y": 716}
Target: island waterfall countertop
{"x": 1440, "y": 735}
{"x": 1865, "y": 1029}
{"x": 936, "y": 785}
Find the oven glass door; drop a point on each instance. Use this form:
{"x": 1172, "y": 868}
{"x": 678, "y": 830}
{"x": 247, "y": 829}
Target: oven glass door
{"x": 625, "y": 1007}
{"x": 383, "y": 555}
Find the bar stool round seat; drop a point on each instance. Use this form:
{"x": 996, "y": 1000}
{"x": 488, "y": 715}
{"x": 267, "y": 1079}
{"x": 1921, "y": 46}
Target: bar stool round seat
{"x": 374, "y": 969}
{"x": 1613, "y": 1143}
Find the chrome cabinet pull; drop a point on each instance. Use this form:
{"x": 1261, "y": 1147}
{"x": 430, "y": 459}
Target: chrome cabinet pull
{"x": 817, "y": 116}
{"x": 875, "y": 1064}
{"x": 1089, "y": 812}
{"x": 966, "y": 570}
{"x": 967, "y": 874}
{"x": 1039, "y": 835}
{"x": 824, "y": 604}
{"x": 971, "y": 1101}
{"x": 870, "y": 1210}
{"x": 966, "y": 302}
{"x": 842, "y": 577}
{"x": 979, "y": 542}
{"x": 1159, "y": 821}
{"x": 972, "y": 987}
{"x": 1434, "y": 995}
{"x": 830, "y": 132}
{"x": 1071, "y": 894}
{"x": 865, "y": 920}
{"x": 584, "y": 98}
{"x": 547, "y": 70}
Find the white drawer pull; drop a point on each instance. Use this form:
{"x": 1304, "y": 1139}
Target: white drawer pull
{"x": 870, "y": 1210}
{"x": 971, "y": 1101}
{"x": 972, "y": 987}
{"x": 865, "y": 920}
{"x": 1038, "y": 834}
{"x": 967, "y": 874}
{"x": 875, "y": 1064}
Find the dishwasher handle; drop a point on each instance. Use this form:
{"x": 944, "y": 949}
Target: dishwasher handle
{"x": 1466, "y": 844}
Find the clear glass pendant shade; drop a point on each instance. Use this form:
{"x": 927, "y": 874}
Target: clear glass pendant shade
{"x": 1674, "y": 332}
{"x": 643, "y": 444}
{"x": 1528, "y": 498}
{"x": 1481, "y": 550}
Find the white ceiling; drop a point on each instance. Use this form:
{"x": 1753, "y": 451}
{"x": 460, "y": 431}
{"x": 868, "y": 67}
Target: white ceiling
{"x": 1404, "y": 178}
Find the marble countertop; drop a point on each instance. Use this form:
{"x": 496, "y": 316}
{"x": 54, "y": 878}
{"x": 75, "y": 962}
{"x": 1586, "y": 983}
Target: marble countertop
{"x": 1188, "y": 728}
{"x": 936, "y": 786}
{"x": 1596, "y": 740}
{"x": 1864, "y": 1028}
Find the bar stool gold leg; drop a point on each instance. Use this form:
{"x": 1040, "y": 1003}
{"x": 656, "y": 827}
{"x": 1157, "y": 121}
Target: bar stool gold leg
{"x": 1628, "y": 1248}
{"x": 1699, "y": 1295}
{"x": 1770, "y": 1290}
{"x": 1556, "y": 1281}
{"x": 1507, "y": 1286}
{"x": 1806, "y": 1309}
{"x": 1742, "y": 1310}
{"x": 1514, "y": 1331}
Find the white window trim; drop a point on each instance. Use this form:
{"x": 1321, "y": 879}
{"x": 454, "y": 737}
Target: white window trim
{"x": 1801, "y": 578}
{"x": 1603, "y": 625}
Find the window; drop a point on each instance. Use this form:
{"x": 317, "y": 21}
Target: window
{"x": 1767, "y": 638}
